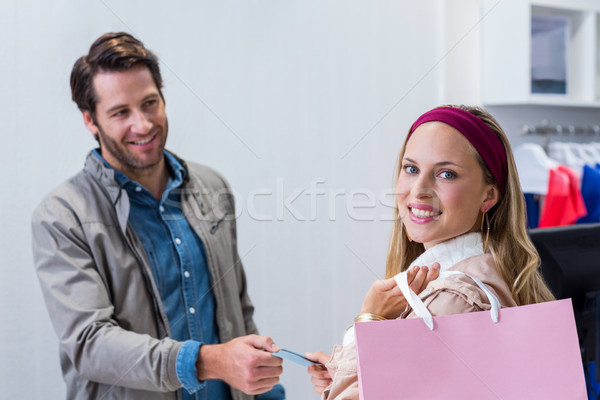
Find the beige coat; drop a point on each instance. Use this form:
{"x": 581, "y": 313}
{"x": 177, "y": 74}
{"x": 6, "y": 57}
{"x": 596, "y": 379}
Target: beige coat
{"x": 453, "y": 295}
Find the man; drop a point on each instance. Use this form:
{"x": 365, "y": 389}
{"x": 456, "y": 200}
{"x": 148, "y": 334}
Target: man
{"x": 137, "y": 257}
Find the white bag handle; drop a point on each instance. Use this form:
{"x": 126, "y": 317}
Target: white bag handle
{"x": 421, "y": 310}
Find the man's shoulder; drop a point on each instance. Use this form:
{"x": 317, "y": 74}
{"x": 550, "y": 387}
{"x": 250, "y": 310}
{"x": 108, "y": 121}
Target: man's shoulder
{"x": 206, "y": 176}
{"x": 73, "y": 196}
{"x": 70, "y": 186}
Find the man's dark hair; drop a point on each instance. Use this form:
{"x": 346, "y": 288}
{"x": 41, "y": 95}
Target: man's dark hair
{"x": 110, "y": 52}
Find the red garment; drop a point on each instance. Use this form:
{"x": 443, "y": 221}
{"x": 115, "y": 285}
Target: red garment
{"x": 564, "y": 203}
{"x": 575, "y": 191}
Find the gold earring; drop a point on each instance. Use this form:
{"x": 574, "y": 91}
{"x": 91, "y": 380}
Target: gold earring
{"x": 487, "y": 234}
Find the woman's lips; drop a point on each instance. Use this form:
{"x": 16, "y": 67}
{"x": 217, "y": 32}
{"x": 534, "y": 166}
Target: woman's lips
{"x": 422, "y": 213}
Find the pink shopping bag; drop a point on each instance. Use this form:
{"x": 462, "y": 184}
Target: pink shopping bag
{"x": 532, "y": 352}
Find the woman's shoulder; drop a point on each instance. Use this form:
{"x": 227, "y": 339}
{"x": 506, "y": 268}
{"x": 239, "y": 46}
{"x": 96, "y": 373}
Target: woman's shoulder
{"x": 464, "y": 287}
{"x": 482, "y": 266}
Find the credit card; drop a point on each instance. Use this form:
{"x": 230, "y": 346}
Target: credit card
{"x": 294, "y": 357}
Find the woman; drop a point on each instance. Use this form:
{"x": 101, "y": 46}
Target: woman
{"x": 459, "y": 208}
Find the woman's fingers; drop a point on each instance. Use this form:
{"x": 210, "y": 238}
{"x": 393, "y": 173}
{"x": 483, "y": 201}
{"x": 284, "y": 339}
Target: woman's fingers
{"x": 318, "y": 380}
{"x": 383, "y": 285}
{"x": 432, "y": 274}
{"x": 411, "y": 273}
{"x": 318, "y": 356}
{"x": 319, "y": 376}
{"x": 422, "y": 276}
{"x": 417, "y": 283}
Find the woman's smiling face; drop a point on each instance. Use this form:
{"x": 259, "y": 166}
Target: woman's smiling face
{"x": 441, "y": 189}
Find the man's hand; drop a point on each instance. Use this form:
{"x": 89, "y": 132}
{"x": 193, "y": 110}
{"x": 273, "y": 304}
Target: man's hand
{"x": 244, "y": 363}
{"x": 384, "y": 298}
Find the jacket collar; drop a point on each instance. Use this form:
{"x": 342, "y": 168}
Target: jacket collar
{"x": 118, "y": 196}
{"x": 96, "y": 167}
{"x": 106, "y": 176}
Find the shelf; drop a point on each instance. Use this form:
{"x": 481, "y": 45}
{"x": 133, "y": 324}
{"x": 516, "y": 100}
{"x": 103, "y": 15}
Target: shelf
{"x": 546, "y": 101}
{"x": 541, "y": 53}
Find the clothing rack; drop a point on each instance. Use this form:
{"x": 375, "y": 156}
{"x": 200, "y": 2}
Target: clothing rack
{"x": 546, "y": 128}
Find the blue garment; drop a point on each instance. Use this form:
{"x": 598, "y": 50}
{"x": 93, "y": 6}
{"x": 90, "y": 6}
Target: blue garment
{"x": 593, "y": 386}
{"x": 178, "y": 262}
{"x": 277, "y": 393}
{"x": 532, "y": 203}
{"x": 590, "y": 190}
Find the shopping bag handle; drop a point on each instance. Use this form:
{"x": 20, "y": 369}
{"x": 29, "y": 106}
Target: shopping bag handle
{"x": 421, "y": 310}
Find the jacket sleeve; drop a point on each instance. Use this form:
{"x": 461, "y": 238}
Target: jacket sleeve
{"x": 82, "y": 313}
{"x": 448, "y": 302}
{"x": 343, "y": 366}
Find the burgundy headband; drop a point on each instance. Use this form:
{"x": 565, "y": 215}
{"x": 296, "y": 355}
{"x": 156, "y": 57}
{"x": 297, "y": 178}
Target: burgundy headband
{"x": 481, "y": 136}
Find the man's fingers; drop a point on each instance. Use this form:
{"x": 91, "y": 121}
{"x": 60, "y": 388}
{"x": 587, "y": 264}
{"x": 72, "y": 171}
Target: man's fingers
{"x": 258, "y": 353}
{"x": 268, "y": 372}
{"x": 262, "y": 386}
{"x": 262, "y": 342}
{"x": 270, "y": 361}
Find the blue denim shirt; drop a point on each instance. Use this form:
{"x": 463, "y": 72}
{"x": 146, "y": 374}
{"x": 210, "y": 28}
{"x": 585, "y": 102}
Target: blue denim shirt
{"x": 178, "y": 262}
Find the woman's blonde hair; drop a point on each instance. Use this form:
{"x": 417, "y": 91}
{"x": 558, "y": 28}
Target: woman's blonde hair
{"x": 515, "y": 256}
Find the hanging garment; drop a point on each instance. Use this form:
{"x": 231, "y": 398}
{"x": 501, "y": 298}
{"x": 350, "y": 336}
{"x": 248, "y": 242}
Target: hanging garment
{"x": 596, "y": 146}
{"x": 585, "y": 152}
{"x": 575, "y": 191}
{"x": 533, "y": 206}
{"x": 564, "y": 203}
{"x": 533, "y": 165}
{"x": 566, "y": 154}
{"x": 592, "y": 153}
{"x": 590, "y": 189}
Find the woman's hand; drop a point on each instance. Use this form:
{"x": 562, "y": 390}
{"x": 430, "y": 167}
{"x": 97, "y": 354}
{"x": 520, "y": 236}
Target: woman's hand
{"x": 385, "y": 298}
{"x": 319, "y": 376}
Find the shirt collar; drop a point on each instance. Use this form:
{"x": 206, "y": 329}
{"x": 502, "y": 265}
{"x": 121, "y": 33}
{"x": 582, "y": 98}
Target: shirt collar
{"x": 176, "y": 171}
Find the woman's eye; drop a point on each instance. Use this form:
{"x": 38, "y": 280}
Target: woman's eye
{"x": 410, "y": 169}
{"x": 448, "y": 174}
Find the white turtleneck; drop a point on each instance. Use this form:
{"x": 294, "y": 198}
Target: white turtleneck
{"x": 451, "y": 252}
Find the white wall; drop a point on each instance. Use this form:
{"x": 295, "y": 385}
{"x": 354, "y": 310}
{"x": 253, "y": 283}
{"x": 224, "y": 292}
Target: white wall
{"x": 276, "y": 95}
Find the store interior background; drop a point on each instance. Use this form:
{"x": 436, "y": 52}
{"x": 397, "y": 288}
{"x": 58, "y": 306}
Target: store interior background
{"x": 281, "y": 97}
